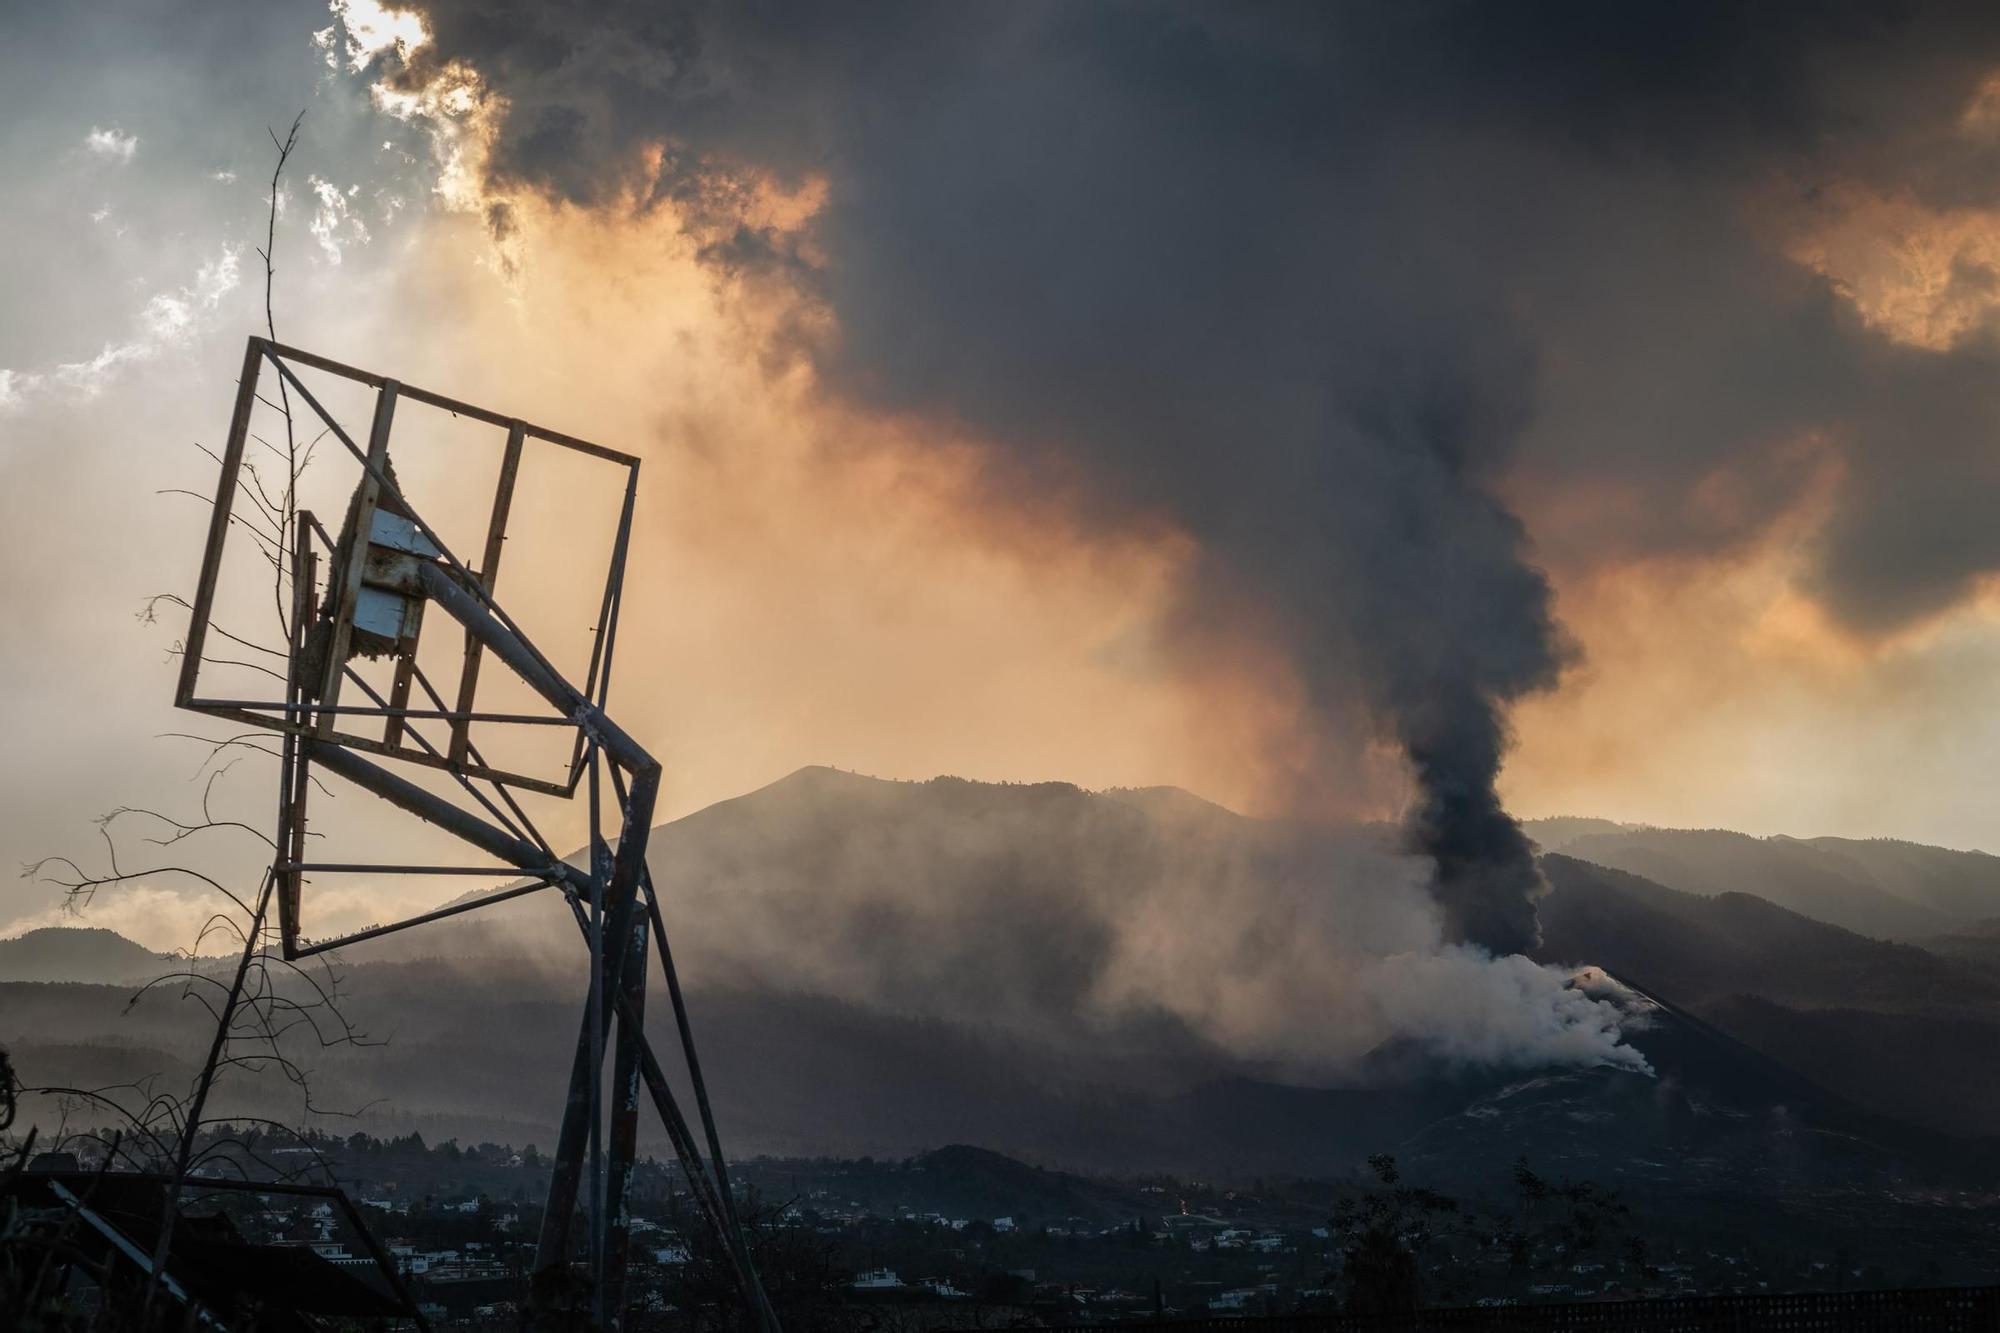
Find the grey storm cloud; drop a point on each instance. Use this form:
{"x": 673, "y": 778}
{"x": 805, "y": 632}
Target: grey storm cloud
{"x": 1311, "y": 280}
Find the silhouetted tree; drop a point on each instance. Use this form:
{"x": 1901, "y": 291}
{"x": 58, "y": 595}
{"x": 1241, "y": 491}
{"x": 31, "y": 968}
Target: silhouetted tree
{"x": 1557, "y": 1223}
{"x": 1383, "y": 1233}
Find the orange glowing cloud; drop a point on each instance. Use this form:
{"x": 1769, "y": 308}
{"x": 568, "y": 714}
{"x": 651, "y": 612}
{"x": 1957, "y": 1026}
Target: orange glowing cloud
{"x": 1923, "y": 276}
{"x": 1926, "y": 276}
{"x": 1714, "y": 693}
{"x": 811, "y": 583}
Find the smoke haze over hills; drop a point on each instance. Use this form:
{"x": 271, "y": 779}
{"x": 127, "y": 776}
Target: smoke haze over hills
{"x": 879, "y": 967}
{"x": 1079, "y": 920}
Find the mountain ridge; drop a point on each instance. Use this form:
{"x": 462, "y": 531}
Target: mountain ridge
{"x": 80, "y": 953}
{"x": 920, "y": 962}
{"x": 1887, "y": 888}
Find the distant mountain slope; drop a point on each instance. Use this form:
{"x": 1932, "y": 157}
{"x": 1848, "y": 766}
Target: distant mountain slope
{"x": 62, "y": 953}
{"x": 1698, "y": 948}
{"x": 1892, "y": 1027}
{"x": 1977, "y": 943}
{"x": 1890, "y": 890}
{"x": 1964, "y": 885}
{"x": 1555, "y": 834}
{"x": 1938, "y": 1071}
{"x": 965, "y": 1181}
{"x": 1721, "y": 1116}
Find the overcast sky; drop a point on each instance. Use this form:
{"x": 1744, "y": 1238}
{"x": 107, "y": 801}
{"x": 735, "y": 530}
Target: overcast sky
{"x": 1005, "y": 382}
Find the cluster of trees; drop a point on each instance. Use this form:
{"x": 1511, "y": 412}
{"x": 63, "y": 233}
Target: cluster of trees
{"x": 1394, "y": 1236}
{"x": 491, "y": 1154}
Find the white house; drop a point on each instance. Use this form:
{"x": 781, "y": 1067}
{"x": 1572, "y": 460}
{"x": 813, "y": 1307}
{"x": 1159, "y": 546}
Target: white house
{"x": 876, "y": 1279}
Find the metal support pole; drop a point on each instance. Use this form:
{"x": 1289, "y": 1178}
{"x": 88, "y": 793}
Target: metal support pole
{"x": 621, "y": 899}
{"x": 733, "y": 1237}
{"x": 700, "y": 1187}
{"x": 625, "y": 1086}
{"x": 600, "y": 1023}
{"x": 732, "y": 1226}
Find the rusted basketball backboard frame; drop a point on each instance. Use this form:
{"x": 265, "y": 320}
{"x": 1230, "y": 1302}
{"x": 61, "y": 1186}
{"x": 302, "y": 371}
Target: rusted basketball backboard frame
{"x": 328, "y": 718}
{"x": 311, "y": 705}
{"x": 384, "y": 570}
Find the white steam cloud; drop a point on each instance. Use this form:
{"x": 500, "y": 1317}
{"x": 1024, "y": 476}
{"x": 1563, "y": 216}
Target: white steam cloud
{"x": 1063, "y": 916}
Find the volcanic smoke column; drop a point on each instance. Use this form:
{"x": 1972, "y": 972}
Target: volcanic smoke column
{"x": 1410, "y": 604}
{"x": 1486, "y": 880}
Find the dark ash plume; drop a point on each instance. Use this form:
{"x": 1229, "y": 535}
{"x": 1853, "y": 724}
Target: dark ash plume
{"x": 1308, "y": 281}
{"x": 1487, "y": 880}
